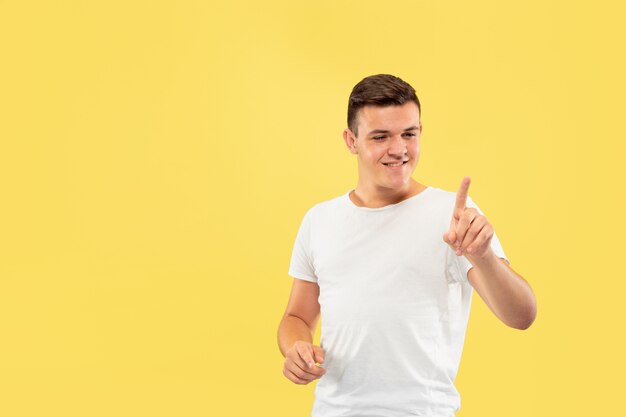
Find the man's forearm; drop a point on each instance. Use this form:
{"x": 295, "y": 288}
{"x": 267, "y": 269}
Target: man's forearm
{"x": 507, "y": 294}
{"x": 290, "y": 330}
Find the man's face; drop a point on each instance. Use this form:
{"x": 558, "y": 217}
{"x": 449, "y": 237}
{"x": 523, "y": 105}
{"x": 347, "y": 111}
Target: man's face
{"x": 388, "y": 136}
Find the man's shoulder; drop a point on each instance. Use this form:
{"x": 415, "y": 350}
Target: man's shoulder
{"x": 326, "y": 209}
{"x": 329, "y": 205}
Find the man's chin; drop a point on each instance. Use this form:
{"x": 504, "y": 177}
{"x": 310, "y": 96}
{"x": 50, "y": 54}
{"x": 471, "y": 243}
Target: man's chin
{"x": 398, "y": 186}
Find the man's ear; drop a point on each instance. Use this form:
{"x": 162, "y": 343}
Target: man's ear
{"x": 350, "y": 140}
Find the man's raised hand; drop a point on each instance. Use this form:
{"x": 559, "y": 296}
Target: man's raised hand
{"x": 300, "y": 362}
{"x": 470, "y": 233}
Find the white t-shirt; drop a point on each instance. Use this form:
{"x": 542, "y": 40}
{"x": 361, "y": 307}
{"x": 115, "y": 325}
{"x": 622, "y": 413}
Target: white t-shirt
{"x": 394, "y": 301}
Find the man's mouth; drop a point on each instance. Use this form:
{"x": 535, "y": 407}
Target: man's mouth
{"x": 395, "y": 164}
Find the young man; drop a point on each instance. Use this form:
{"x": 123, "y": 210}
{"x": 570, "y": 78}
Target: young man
{"x": 391, "y": 266}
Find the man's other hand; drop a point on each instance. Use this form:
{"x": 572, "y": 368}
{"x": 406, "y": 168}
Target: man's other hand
{"x": 300, "y": 363}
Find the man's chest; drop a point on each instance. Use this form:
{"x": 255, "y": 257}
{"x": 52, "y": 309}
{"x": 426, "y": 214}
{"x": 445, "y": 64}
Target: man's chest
{"x": 380, "y": 265}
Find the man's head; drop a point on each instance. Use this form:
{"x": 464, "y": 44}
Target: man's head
{"x": 378, "y": 90}
{"x": 384, "y": 128}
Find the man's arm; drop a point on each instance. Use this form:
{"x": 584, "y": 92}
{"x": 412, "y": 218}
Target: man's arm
{"x": 301, "y": 315}
{"x": 295, "y": 334}
{"x": 505, "y": 292}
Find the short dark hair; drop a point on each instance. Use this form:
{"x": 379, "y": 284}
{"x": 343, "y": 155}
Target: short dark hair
{"x": 379, "y": 90}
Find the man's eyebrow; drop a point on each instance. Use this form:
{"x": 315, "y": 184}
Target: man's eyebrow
{"x": 386, "y": 131}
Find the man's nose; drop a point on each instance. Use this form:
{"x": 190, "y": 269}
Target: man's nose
{"x": 397, "y": 146}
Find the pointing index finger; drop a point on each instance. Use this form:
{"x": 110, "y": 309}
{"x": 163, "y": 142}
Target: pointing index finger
{"x": 461, "y": 195}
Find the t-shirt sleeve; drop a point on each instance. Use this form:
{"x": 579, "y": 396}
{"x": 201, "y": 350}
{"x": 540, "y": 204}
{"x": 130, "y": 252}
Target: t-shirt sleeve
{"x": 301, "y": 265}
{"x": 459, "y": 271}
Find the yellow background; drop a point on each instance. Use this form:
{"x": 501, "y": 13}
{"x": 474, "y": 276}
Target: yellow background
{"x": 157, "y": 157}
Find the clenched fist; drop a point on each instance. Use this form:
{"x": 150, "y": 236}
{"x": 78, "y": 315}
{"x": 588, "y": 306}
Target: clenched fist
{"x": 300, "y": 362}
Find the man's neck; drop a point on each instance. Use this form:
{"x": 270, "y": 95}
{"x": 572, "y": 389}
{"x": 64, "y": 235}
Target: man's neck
{"x": 373, "y": 197}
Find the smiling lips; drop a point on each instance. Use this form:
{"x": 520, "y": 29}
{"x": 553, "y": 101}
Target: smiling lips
{"x": 395, "y": 164}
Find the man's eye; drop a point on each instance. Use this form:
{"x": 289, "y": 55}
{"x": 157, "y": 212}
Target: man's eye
{"x": 383, "y": 137}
